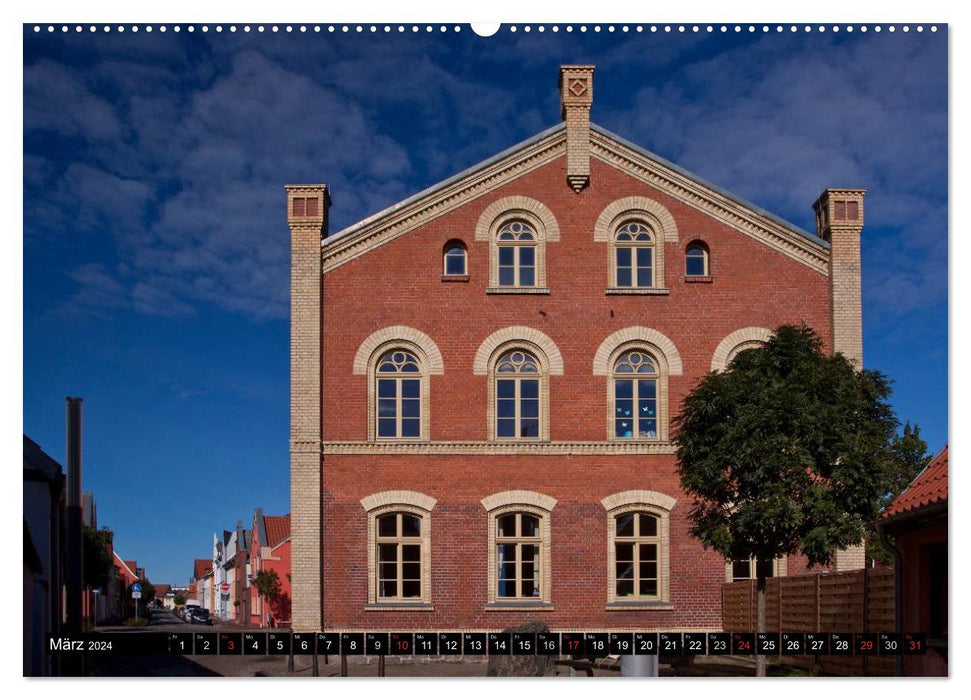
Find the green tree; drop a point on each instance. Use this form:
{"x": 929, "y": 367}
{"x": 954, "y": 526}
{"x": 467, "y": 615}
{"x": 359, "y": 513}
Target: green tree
{"x": 785, "y": 451}
{"x": 179, "y": 600}
{"x": 268, "y": 584}
{"x": 97, "y": 560}
{"x": 908, "y": 456}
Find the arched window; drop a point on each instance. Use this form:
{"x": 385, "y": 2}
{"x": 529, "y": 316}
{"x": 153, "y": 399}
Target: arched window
{"x": 455, "y": 259}
{"x": 696, "y": 260}
{"x": 398, "y": 553}
{"x": 638, "y": 549}
{"x": 636, "y": 540}
{"x": 518, "y": 556}
{"x": 634, "y": 255}
{"x": 519, "y": 548}
{"x": 399, "y": 392}
{"x": 517, "y": 395}
{"x": 516, "y": 241}
{"x": 398, "y": 548}
{"x": 635, "y": 396}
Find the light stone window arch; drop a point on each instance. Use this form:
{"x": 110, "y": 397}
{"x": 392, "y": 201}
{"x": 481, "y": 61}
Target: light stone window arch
{"x": 528, "y": 340}
{"x": 393, "y": 546}
{"x": 535, "y": 227}
{"x": 735, "y": 342}
{"x": 666, "y": 360}
{"x": 370, "y": 353}
{"x": 660, "y": 228}
{"x": 638, "y": 549}
{"x": 519, "y": 570}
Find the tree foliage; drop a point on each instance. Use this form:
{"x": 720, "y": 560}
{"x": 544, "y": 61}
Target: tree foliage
{"x": 148, "y": 591}
{"x": 785, "y": 451}
{"x": 268, "y": 583}
{"x": 908, "y": 456}
{"x": 97, "y": 559}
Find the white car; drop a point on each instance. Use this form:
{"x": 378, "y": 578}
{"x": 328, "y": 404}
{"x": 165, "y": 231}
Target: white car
{"x": 187, "y": 611}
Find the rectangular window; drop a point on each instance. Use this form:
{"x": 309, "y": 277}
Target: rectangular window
{"x": 852, "y": 211}
{"x": 527, "y": 266}
{"x": 645, "y": 269}
{"x": 625, "y": 273}
{"x": 840, "y": 213}
{"x": 299, "y": 206}
{"x": 507, "y": 266}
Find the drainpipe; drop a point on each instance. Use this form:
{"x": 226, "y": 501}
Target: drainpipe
{"x": 898, "y": 585}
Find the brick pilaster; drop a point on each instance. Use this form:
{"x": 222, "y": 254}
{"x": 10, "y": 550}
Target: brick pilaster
{"x": 307, "y": 207}
{"x": 839, "y": 220}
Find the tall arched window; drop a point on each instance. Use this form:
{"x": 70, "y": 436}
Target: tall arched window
{"x": 696, "y": 260}
{"x": 635, "y": 396}
{"x": 516, "y": 241}
{"x": 518, "y": 556}
{"x": 634, "y": 255}
{"x": 455, "y": 259}
{"x": 398, "y": 379}
{"x": 399, "y": 556}
{"x": 636, "y": 539}
{"x": 517, "y": 395}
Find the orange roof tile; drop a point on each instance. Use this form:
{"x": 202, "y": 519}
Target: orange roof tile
{"x": 927, "y": 488}
{"x": 277, "y": 529}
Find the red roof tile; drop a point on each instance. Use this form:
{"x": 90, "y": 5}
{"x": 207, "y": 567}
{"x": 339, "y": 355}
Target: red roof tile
{"x": 928, "y": 488}
{"x": 277, "y": 529}
{"x": 202, "y": 567}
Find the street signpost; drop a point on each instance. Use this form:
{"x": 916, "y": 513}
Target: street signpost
{"x": 136, "y": 593}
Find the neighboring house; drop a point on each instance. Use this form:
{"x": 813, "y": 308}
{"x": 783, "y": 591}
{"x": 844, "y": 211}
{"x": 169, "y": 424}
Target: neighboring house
{"x": 484, "y": 376}
{"x": 241, "y": 575}
{"x": 201, "y": 584}
{"x": 917, "y": 522}
{"x": 162, "y": 591}
{"x": 271, "y": 552}
{"x": 44, "y": 556}
{"x": 125, "y": 575}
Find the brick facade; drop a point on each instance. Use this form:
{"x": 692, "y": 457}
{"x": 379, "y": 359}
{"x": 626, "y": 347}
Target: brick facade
{"x": 386, "y": 273}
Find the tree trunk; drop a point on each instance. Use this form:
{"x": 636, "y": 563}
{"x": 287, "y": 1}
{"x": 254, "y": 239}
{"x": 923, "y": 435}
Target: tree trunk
{"x": 760, "y": 618}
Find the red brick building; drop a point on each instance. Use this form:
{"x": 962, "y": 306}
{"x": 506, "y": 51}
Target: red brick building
{"x": 917, "y": 520}
{"x": 483, "y": 378}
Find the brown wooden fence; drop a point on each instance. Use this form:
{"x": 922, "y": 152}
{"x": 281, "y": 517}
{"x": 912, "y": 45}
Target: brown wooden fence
{"x": 850, "y": 601}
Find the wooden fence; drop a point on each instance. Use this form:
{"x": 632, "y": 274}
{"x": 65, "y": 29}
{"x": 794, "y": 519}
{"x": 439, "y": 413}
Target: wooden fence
{"x": 850, "y": 601}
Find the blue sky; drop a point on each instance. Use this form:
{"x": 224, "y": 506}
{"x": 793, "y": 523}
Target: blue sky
{"x": 156, "y": 249}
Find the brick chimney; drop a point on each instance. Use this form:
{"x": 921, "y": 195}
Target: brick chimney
{"x": 839, "y": 220}
{"x": 576, "y": 98}
{"x": 307, "y": 208}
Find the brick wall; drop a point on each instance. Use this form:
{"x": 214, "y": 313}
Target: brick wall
{"x": 399, "y": 283}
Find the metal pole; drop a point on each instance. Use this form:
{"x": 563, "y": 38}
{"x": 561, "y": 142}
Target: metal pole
{"x": 638, "y": 666}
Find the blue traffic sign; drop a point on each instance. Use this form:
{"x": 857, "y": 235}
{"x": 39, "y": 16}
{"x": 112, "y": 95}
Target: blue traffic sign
{"x": 136, "y": 587}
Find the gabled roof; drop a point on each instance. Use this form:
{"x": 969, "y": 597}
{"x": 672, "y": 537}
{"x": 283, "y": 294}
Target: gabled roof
{"x": 512, "y": 163}
{"x": 201, "y": 567}
{"x": 927, "y": 489}
{"x": 277, "y": 529}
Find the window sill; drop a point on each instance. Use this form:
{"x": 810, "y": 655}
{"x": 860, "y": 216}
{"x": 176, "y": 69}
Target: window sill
{"x": 638, "y": 605}
{"x": 652, "y": 291}
{"x": 517, "y": 290}
{"x": 399, "y": 606}
{"x": 698, "y": 279}
{"x": 523, "y": 606}
{"x": 400, "y": 441}
{"x": 455, "y": 278}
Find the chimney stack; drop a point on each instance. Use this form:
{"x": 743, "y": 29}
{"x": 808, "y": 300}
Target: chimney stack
{"x": 839, "y": 220}
{"x": 576, "y": 98}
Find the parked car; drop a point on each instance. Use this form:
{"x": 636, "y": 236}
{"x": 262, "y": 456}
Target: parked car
{"x": 200, "y": 616}
{"x": 187, "y": 612}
